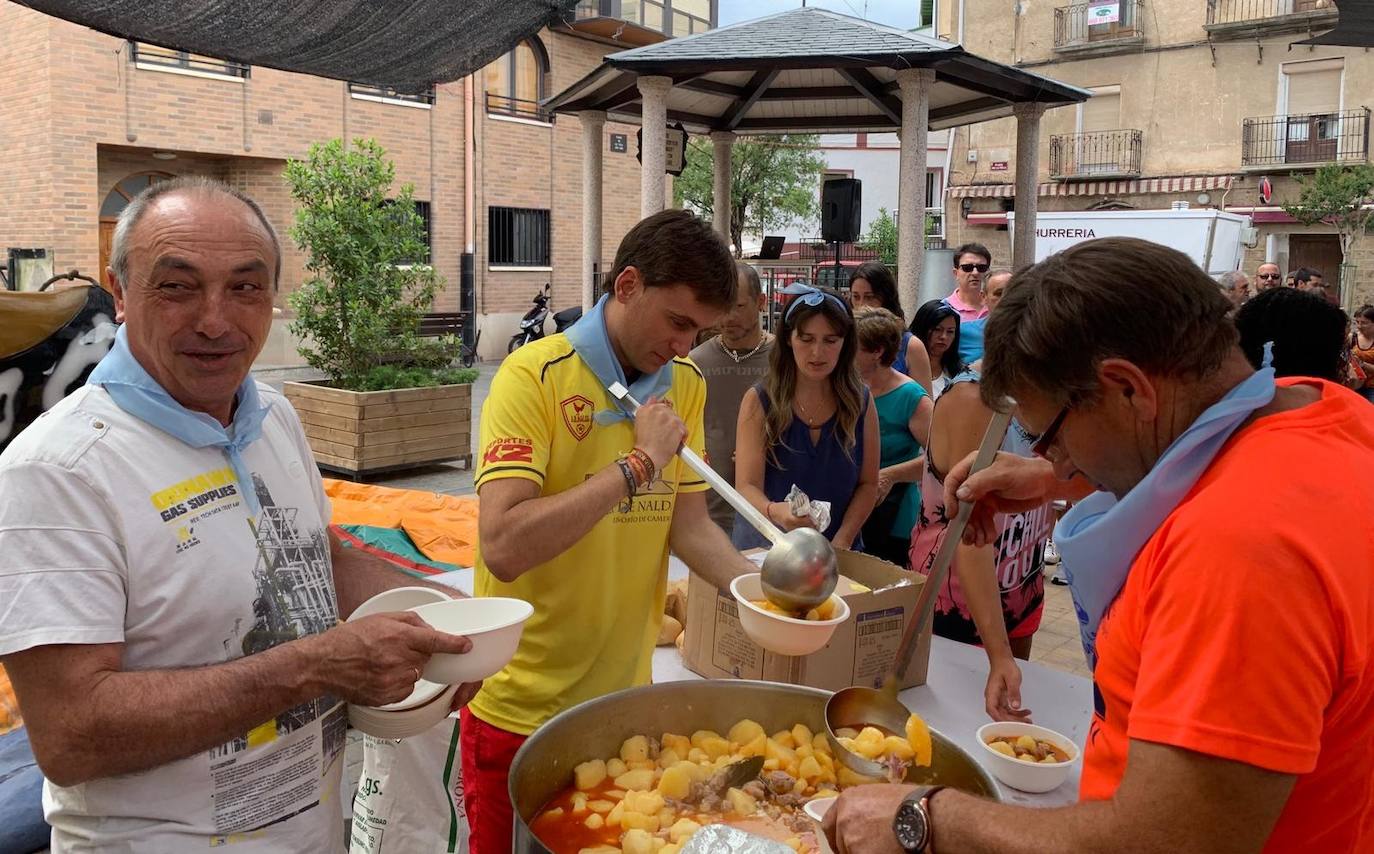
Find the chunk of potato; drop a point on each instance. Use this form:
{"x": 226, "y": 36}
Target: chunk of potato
{"x": 716, "y": 747}
{"x": 600, "y": 849}
{"x": 741, "y": 802}
{"x": 675, "y": 783}
{"x": 638, "y": 780}
{"x": 801, "y": 734}
{"x": 1025, "y": 742}
{"x": 744, "y": 732}
{"x": 819, "y": 743}
{"x": 666, "y": 817}
{"x": 918, "y": 736}
{"x": 579, "y": 803}
{"x": 613, "y": 817}
{"x": 1049, "y": 760}
{"x": 647, "y": 803}
{"x": 639, "y": 821}
{"x": 637, "y": 841}
{"x": 589, "y": 774}
{"x": 846, "y": 732}
{"x": 898, "y": 747}
{"x": 696, "y": 754}
{"x": 679, "y": 744}
{"x": 1003, "y": 748}
{"x": 614, "y": 794}
{"x": 682, "y": 830}
{"x": 600, "y": 806}
{"x": 668, "y": 758}
{"x": 641, "y": 765}
{"x": 701, "y": 735}
{"x": 595, "y": 821}
{"x": 634, "y": 749}
{"x": 784, "y": 737}
{"x": 848, "y": 778}
{"x": 810, "y": 768}
{"x": 755, "y": 747}
{"x": 781, "y": 752}
{"x": 670, "y": 848}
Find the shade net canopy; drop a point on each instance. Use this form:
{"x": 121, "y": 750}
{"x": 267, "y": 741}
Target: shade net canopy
{"x": 405, "y": 45}
{"x": 1354, "y": 27}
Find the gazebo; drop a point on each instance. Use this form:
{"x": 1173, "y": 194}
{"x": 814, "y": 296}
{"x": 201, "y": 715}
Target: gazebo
{"x": 807, "y": 71}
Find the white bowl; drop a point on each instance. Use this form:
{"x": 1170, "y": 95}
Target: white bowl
{"x": 402, "y": 724}
{"x": 403, "y": 599}
{"x": 816, "y": 808}
{"x": 776, "y": 633}
{"x": 492, "y": 624}
{"x": 1019, "y": 774}
{"x": 398, "y": 599}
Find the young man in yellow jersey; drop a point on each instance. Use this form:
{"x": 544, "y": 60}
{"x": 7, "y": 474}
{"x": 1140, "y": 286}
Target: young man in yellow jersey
{"x": 581, "y": 503}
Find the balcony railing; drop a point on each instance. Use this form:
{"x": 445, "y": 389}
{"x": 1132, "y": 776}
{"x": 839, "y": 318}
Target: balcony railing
{"x": 1308, "y": 139}
{"x": 1076, "y": 28}
{"x": 647, "y": 13}
{"x": 504, "y": 105}
{"x": 180, "y": 60}
{"x": 1097, "y": 154}
{"x": 1228, "y": 12}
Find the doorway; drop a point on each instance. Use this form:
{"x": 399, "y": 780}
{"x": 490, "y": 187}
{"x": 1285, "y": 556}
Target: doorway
{"x": 114, "y": 203}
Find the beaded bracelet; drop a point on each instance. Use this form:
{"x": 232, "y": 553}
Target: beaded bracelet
{"x": 628, "y": 504}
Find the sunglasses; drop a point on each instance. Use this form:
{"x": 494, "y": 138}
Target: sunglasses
{"x": 969, "y": 268}
{"x": 1268, "y": 276}
{"x": 1042, "y": 445}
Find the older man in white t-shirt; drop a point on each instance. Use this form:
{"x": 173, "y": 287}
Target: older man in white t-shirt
{"x": 169, "y": 591}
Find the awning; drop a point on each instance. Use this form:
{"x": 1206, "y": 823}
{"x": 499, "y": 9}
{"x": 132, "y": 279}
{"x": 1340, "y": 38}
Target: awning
{"x": 406, "y": 46}
{"x": 1183, "y": 184}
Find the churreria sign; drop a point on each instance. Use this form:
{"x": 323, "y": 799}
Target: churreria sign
{"x": 1073, "y": 233}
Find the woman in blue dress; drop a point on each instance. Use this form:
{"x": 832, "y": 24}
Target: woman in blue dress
{"x": 809, "y": 424}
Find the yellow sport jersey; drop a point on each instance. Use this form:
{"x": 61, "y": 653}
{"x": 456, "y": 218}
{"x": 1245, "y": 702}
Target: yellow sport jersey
{"x": 597, "y": 606}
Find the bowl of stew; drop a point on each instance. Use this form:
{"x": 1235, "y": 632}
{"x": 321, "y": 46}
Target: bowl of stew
{"x": 1025, "y": 756}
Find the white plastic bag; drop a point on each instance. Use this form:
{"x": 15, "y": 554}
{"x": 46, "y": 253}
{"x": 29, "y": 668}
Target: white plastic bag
{"x": 410, "y": 795}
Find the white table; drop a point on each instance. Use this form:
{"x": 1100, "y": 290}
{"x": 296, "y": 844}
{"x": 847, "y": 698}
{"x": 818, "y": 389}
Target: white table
{"x": 951, "y": 701}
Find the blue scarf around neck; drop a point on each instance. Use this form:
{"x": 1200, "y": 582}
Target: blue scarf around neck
{"x": 135, "y": 391}
{"x": 1101, "y": 536}
{"x": 593, "y": 343}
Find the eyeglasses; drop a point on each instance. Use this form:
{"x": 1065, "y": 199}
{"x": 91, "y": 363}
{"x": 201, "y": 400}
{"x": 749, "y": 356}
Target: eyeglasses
{"x": 1042, "y": 445}
{"x": 969, "y": 268}
{"x": 1267, "y": 276}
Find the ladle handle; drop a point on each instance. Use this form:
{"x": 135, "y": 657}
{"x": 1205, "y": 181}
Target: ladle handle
{"x": 954, "y": 533}
{"x": 741, "y": 504}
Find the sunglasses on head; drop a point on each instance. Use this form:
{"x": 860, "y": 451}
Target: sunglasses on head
{"x": 969, "y": 268}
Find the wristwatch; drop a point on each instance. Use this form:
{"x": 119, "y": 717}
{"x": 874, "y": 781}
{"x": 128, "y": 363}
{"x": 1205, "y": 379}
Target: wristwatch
{"x": 913, "y": 826}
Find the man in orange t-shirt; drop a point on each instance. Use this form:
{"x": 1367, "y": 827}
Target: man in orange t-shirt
{"x": 1234, "y": 677}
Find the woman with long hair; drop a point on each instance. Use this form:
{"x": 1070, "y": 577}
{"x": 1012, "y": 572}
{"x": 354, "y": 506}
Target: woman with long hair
{"x": 809, "y": 424}
{"x": 1362, "y": 348}
{"x": 937, "y": 326}
{"x": 904, "y": 409}
{"x": 872, "y": 286}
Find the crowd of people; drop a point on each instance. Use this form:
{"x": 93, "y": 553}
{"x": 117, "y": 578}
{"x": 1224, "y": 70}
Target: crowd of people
{"x": 149, "y": 636}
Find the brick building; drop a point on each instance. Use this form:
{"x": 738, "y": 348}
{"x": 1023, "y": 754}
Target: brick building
{"x": 91, "y": 119}
{"x": 1194, "y": 101}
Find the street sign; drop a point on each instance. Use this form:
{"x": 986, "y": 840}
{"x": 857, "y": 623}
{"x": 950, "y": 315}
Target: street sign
{"x": 619, "y": 143}
{"x": 998, "y": 166}
{"x": 675, "y": 149}
{"x": 1266, "y": 190}
{"x": 1104, "y": 13}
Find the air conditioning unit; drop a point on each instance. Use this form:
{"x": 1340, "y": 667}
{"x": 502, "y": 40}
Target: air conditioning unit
{"x": 1249, "y": 236}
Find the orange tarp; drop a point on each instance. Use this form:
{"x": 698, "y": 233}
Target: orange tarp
{"x": 442, "y": 527}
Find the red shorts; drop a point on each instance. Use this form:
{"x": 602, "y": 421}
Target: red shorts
{"x": 487, "y": 755}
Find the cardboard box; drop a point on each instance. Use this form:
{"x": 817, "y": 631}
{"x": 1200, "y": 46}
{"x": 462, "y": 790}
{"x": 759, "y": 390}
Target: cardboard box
{"x": 859, "y": 653}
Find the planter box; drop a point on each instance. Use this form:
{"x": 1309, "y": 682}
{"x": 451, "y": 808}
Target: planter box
{"x": 362, "y": 432}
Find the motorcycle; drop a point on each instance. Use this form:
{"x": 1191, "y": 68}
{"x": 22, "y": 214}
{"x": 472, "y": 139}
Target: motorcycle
{"x": 532, "y": 324}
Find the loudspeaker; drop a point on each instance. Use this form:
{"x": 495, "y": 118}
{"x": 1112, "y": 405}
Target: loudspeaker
{"x": 841, "y": 209}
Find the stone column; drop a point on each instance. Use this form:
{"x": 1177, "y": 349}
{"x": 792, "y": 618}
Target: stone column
{"x": 593, "y": 126}
{"x": 721, "y": 142}
{"x": 1027, "y": 182}
{"x": 654, "y": 120}
{"x": 915, "y": 85}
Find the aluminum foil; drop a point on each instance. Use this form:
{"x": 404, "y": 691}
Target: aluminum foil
{"x": 723, "y": 839}
{"x": 801, "y": 505}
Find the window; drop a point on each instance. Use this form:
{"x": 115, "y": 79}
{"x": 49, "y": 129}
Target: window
{"x": 1102, "y": 111}
{"x": 391, "y": 96}
{"x": 154, "y": 58}
{"x": 517, "y": 237}
{"x": 1312, "y": 124}
{"x": 514, "y": 83}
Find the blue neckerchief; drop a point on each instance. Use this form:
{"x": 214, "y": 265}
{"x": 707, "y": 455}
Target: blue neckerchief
{"x": 591, "y": 341}
{"x": 135, "y": 391}
{"x": 1103, "y": 536}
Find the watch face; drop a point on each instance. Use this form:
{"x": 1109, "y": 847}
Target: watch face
{"x": 910, "y": 826}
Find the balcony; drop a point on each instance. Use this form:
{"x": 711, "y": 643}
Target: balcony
{"x": 516, "y": 108}
{"x": 1245, "y": 19}
{"x": 1305, "y": 141}
{"x": 651, "y": 20}
{"x": 1098, "y": 154}
{"x": 1078, "y": 31}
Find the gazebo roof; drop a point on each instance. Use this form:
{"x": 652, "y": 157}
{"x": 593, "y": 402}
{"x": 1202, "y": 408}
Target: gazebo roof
{"x": 805, "y": 71}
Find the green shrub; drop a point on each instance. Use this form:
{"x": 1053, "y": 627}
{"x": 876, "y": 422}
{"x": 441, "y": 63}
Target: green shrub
{"x": 386, "y": 377}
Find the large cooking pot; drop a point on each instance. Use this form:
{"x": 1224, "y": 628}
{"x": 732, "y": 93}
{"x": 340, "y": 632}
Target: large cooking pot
{"x": 596, "y": 729}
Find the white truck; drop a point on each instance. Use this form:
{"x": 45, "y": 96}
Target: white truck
{"x": 1215, "y": 240}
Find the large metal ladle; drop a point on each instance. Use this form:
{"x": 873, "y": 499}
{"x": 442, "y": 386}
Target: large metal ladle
{"x": 800, "y": 570}
{"x": 861, "y": 707}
